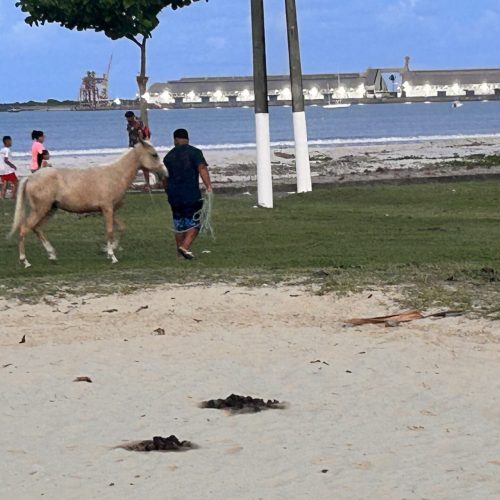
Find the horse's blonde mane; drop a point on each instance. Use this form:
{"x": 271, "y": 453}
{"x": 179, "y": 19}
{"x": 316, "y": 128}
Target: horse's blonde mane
{"x": 118, "y": 159}
{"x": 112, "y": 163}
{"x": 103, "y": 165}
{"x": 146, "y": 144}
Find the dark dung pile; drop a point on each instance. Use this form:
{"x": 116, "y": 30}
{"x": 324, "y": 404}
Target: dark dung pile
{"x": 159, "y": 443}
{"x": 242, "y": 404}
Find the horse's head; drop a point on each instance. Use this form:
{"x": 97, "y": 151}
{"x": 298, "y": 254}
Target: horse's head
{"x": 148, "y": 158}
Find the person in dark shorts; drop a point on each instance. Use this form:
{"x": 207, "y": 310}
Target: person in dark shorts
{"x": 185, "y": 165}
{"x": 137, "y": 130}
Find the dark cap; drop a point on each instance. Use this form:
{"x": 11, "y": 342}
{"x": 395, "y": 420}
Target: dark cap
{"x": 181, "y": 133}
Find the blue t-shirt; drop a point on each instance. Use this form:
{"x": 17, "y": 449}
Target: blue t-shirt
{"x": 182, "y": 162}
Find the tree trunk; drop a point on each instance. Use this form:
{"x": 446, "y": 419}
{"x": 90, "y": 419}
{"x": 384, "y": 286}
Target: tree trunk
{"x": 142, "y": 81}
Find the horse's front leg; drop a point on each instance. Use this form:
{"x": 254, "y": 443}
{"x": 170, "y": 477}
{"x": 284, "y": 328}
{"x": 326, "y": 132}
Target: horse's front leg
{"x": 108, "y": 221}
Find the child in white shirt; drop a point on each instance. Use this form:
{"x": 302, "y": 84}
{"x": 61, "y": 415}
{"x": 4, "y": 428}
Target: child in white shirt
{"x": 7, "y": 168}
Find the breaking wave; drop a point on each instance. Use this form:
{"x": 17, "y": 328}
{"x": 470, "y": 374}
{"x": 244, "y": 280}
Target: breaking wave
{"x": 345, "y": 141}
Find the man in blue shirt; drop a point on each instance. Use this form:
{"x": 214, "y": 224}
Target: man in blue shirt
{"x": 185, "y": 165}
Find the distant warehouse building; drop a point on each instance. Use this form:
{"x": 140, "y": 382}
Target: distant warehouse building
{"x": 239, "y": 89}
{"x": 455, "y": 83}
{"x": 373, "y": 84}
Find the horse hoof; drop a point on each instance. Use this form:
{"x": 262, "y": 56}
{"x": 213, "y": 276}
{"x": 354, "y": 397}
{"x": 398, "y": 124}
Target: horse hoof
{"x": 114, "y": 261}
{"x": 26, "y": 264}
{"x": 52, "y": 258}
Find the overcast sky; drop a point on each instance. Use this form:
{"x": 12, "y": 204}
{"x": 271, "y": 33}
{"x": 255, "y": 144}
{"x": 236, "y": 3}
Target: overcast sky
{"x": 210, "y": 39}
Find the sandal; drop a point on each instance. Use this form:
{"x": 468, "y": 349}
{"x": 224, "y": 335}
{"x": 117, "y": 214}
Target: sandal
{"x": 185, "y": 253}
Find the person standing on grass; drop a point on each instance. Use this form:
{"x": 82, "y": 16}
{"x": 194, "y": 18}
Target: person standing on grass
{"x": 137, "y": 130}
{"x": 7, "y": 168}
{"x": 185, "y": 165}
{"x": 36, "y": 148}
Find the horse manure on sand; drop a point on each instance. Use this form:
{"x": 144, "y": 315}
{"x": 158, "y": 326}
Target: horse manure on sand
{"x": 243, "y": 404}
{"x": 158, "y": 443}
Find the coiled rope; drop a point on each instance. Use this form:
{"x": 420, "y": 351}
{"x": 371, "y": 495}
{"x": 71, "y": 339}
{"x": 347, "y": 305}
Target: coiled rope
{"x": 204, "y": 216}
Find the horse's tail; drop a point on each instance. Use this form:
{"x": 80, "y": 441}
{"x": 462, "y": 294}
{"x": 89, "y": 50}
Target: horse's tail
{"x": 20, "y": 213}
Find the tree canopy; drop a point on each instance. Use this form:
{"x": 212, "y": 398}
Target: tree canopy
{"x": 116, "y": 18}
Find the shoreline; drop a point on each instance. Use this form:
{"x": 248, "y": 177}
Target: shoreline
{"x": 478, "y": 156}
{"x": 70, "y": 105}
{"x": 394, "y": 162}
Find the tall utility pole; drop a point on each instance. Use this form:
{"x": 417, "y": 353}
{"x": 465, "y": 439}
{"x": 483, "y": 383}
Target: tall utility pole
{"x": 264, "y": 174}
{"x": 299, "y": 117}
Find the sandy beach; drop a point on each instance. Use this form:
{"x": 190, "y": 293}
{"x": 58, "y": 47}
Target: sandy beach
{"x": 343, "y": 163}
{"x": 409, "y": 412}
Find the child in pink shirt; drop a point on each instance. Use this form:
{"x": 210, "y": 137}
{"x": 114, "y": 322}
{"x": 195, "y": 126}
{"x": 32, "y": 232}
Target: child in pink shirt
{"x": 36, "y": 148}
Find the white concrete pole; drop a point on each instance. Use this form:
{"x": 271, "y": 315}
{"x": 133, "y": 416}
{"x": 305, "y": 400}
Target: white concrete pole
{"x": 264, "y": 173}
{"x": 263, "y": 140}
{"x": 304, "y": 183}
{"x": 302, "y": 163}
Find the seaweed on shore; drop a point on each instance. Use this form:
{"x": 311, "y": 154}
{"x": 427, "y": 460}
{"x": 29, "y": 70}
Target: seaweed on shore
{"x": 243, "y": 404}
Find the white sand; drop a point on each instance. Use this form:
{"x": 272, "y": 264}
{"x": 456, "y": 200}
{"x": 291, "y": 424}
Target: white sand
{"x": 417, "y": 417}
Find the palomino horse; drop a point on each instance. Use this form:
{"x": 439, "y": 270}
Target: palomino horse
{"x": 93, "y": 189}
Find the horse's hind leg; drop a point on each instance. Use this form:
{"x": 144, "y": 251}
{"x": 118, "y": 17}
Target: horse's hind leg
{"x": 44, "y": 241}
{"x": 22, "y": 247}
{"x": 120, "y": 226}
{"x": 34, "y": 218}
{"x": 108, "y": 220}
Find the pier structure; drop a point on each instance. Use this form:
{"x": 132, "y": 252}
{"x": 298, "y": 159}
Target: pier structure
{"x": 94, "y": 91}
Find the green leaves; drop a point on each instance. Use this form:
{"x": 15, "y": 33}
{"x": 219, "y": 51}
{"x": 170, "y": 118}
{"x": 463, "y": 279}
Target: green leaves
{"x": 116, "y": 18}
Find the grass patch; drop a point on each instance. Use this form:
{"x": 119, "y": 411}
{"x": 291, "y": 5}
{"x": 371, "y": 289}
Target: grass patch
{"x": 471, "y": 162}
{"x": 438, "y": 240}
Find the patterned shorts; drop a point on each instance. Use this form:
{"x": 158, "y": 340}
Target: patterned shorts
{"x": 186, "y": 217}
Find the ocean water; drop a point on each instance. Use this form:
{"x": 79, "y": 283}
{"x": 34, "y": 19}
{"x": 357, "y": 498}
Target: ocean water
{"x": 98, "y": 132}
